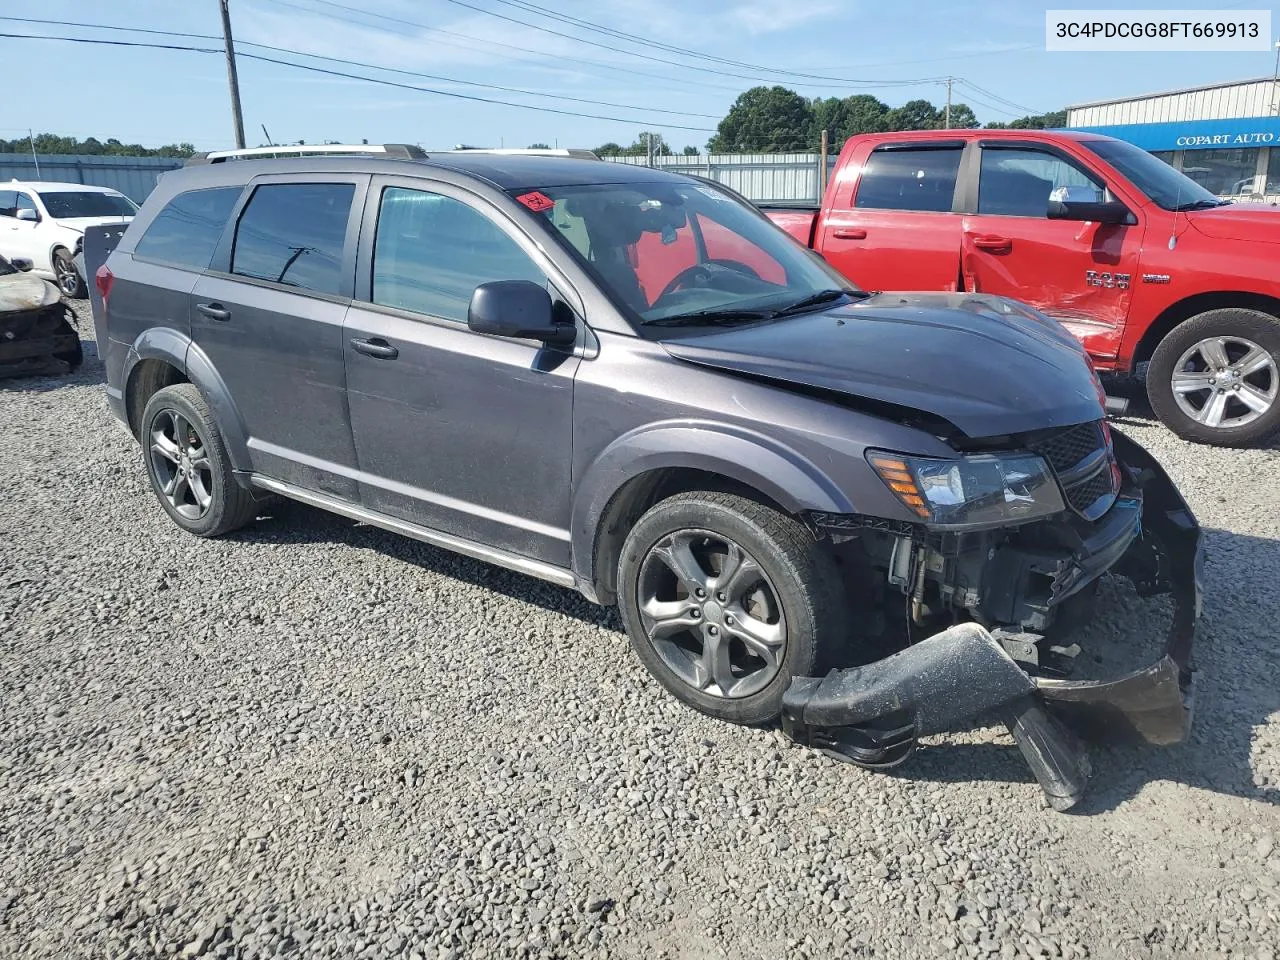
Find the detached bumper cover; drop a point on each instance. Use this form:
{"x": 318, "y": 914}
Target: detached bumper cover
{"x": 873, "y": 715}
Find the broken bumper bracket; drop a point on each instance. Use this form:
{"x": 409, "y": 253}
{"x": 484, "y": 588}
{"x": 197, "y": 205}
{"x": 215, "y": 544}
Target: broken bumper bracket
{"x": 873, "y": 715}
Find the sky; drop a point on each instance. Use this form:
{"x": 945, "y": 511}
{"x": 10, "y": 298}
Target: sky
{"x": 895, "y": 51}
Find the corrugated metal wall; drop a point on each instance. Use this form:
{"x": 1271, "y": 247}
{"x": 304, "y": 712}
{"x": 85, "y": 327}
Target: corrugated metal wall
{"x": 762, "y": 177}
{"x": 135, "y": 177}
{"x": 1255, "y": 98}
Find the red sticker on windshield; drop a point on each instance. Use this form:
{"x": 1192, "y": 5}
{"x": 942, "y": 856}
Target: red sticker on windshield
{"x": 537, "y": 202}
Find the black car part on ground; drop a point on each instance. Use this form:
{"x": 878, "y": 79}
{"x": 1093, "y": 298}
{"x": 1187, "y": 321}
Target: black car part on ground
{"x": 37, "y": 330}
{"x": 874, "y": 715}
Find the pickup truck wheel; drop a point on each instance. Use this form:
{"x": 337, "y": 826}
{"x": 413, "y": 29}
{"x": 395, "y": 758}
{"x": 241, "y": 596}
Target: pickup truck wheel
{"x": 725, "y": 600}
{"x": 69, "y": 280}
{"x": 188, "y": 465}
{"x": 1216, "y": 378}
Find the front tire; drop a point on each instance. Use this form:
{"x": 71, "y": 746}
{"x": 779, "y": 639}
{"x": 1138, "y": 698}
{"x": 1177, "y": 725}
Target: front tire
{"x": 1215, "y": 378}
{"x": 725, "y": 600}
{"x": 188, "y": 465}
{"x": 69, "y": 280}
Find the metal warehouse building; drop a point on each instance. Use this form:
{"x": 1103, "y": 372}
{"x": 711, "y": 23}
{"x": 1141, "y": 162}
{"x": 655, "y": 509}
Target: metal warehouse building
{"x": 1225, "y": 136}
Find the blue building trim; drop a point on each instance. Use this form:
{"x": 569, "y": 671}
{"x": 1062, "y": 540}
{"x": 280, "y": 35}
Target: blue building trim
{"x": 1195, "y": 134}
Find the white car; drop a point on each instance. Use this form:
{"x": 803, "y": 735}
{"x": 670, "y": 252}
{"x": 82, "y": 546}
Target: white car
{"x": 44, "y": 223}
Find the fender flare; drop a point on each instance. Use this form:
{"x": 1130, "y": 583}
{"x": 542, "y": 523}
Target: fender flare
{"x": 741, "y": 454}
{"x": 178, "y": 350}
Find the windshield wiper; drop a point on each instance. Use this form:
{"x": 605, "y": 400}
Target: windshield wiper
{"x": 1201, "y": 205}
{"x": 822, "y": 296}
{"x": 727, "y": 315}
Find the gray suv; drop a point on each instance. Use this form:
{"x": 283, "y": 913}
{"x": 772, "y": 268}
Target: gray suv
{"x": 874, "y": 515}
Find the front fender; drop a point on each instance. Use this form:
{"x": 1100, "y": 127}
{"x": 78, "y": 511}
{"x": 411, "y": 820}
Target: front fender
{"x": 177, "y": 349}
{"x": 758, "y": 461}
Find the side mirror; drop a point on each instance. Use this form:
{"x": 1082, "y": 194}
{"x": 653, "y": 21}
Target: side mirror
{"x": 517, "y": 308}
{"x": 22, "y": 263}
{"x": 26, "y": 213}
{"x": 1079, "y": 202}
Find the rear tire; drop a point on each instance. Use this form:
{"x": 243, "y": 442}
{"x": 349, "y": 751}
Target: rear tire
{"x": 187, "y": 463}
{"x": 1215, "y": 378}
{"x": 716, "y": 651}
{"x": 69, "y": 280}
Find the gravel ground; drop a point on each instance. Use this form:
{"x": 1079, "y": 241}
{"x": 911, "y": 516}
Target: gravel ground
{"x": 314, "y": 738}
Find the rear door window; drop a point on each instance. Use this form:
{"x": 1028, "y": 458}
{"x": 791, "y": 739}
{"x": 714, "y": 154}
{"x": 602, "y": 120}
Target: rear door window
{"x": 294, "y": 234}
{"x": 921, "y": 179}
{"x": 186, "y": 232}
{"x": 431, "y": 252}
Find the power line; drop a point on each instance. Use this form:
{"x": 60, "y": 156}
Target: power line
{"x": 995, "y": 96}
{"x": 352, "y": 76}
{"x": 486, "y": 45}
{"x": 369, "y": 66}
{"x": 830, "y": 81}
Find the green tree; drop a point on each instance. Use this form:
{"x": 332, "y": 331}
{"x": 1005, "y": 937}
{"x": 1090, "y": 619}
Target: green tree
{"x": 539, "y": 146}
{"x": 51, "y": 143}
{"x": 640, "y": 148}
{"x": 765, "y": 120}
{"x": 841, "y": 119}
{"x": 609, "y": 149}
{"x": 690, "y": 151}
{"x": 915, "y": 115}
{"x": 962, "y": 117}
{"x": 1035, "y": 121}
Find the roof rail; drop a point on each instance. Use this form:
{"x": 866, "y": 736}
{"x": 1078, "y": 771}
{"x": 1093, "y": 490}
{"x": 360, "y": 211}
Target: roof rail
{"x": 531, "y": 151}
{"x": 398, "y": 151}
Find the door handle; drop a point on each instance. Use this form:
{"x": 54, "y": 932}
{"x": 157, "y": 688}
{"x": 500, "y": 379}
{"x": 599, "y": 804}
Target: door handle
{"x": 993, "y": 244}
{"x": 377, "y": 348}
{"x": 849, "y": 233}
{"x": 214, "y": 311}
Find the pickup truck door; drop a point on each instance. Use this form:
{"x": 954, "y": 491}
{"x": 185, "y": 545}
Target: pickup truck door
{"x": 457, "y": 431}
{"x": 1078, "y": 272}
{"x": 892, "y": 222}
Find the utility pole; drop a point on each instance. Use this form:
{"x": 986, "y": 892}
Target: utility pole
{"x": 947, "y": 122}
{"x": 1274, "y": 77}
{"x": 232, "y": 80}
{"x": 822, "y": 167}
{"x": 34, "y": 159}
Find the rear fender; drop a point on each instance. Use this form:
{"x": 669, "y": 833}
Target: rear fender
{"x": 162, "y": 343}
{"x": 752, "y": 459}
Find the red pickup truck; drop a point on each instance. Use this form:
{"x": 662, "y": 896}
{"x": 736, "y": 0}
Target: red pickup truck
{"x": 1156, "y": 276}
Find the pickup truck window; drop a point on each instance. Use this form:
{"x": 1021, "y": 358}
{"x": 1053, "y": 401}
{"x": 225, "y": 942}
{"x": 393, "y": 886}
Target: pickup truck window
{"x": 293, "y": 233}
{"x": 1162, "y": 184}
{"x": 898, "y": 179}
{"x": 670, "y": 249}
{"x": 430, "y": 253}
{"x": 1018, "y": 182}
{"x": 186, "y": 232}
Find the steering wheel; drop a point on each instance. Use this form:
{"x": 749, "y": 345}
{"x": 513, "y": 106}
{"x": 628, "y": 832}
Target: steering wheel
{"x": 700, "y": 274}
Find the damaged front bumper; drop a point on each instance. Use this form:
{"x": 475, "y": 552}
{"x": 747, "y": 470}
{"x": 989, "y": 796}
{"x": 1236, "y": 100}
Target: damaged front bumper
{"x": 874, "y": 715}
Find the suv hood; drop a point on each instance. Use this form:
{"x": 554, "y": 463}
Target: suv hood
{"x": 79, "y": 223}
{"x": 1238, "y": 222}
{"x": 988, "y": 365}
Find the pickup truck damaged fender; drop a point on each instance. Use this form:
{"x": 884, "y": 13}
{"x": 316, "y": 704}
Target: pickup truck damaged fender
{"x": 873, "y": 715}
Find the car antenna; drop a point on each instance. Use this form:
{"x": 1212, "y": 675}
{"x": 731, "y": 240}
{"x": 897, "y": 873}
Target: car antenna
{"x": 270, "y": 142}
{"x": 1177, "y": 202}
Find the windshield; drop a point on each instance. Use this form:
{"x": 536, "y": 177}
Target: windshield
{"x": 66, "y": 204}
{"x": 1160, "y": 182}
{"x": 683, "y": 253}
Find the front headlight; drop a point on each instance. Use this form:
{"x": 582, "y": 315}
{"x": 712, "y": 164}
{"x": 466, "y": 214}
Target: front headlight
{"x": 982, "y": 490}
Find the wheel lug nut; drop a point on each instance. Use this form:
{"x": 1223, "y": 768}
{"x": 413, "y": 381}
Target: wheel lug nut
{"x": 695, "y": 613}
{"x": 728, "y": 621}
{"x": 700, "y": 593}
{"x": 721, "y": 597}
{"x": 712, "y": 630}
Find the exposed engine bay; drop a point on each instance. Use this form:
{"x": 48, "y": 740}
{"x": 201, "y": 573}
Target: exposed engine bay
{"x": 989, "y": 615}
{"x": 37, "y": 330}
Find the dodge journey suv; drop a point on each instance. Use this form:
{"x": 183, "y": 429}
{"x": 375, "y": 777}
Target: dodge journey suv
{"x": 872, "y": 515}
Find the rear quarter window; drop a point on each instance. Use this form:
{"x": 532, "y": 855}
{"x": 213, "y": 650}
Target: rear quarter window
{"x": 186, "y": 232}
{"x": 294, "y": 234}
{"x": 921, "y": 179}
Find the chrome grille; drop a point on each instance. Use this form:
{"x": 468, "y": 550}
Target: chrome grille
{"x": 1082, "y": 459}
